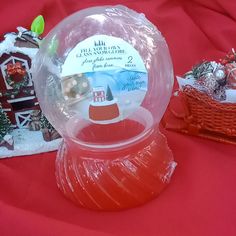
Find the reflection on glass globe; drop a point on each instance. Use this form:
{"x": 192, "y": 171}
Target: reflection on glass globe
{"x": 104, "y": 77}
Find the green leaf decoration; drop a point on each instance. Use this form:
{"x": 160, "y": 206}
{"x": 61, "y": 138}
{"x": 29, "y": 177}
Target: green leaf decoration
{"x": 37, "y": 25}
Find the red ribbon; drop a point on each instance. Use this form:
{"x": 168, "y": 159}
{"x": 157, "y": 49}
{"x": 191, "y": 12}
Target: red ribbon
{"x": 16, "y": 68}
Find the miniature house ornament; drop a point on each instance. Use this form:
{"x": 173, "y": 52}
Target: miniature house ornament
{"x": 24, "y": 130}
{"x": 103, "y": 77}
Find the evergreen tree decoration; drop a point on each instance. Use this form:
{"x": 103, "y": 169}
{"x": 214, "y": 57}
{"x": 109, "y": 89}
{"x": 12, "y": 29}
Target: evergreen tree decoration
{"x": 48, "y": 131}
{"x": 109, "y": 96}
{"x": 5, "y": 124}
{"x": 45, "y": 124}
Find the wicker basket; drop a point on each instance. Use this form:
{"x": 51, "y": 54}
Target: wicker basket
{"x": 202, "y": 116}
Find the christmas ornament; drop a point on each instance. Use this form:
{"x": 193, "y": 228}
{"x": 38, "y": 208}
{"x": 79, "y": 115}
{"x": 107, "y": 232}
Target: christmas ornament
{"x": 220, "y": 74}
{"x": 105, "y": 89}
{"x": 202, "y": 69}
{"x": 17, "y": 94}
{"x": 230, "y": 57}
{"x": 231, "y": 75}
{"x": 209, "y": 83}
{"x": 207, "y": 98}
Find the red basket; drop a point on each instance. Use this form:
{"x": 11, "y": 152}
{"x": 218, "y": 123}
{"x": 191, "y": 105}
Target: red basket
{"x": 202, "y": 116}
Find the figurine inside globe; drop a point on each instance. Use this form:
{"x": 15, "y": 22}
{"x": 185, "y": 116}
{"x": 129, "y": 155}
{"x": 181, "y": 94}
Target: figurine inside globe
{"x": 104, "y": 77}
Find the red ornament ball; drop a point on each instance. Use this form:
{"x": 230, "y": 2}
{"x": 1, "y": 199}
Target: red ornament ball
{"x": 231, "y": 75}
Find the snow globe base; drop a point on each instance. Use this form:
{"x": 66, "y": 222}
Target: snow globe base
{"x": 114, "y": 177}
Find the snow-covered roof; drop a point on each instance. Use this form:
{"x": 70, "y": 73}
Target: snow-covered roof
{"x": 8, "y": 45}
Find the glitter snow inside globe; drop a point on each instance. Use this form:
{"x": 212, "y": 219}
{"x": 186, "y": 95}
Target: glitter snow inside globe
{"x": 103, "y": 77}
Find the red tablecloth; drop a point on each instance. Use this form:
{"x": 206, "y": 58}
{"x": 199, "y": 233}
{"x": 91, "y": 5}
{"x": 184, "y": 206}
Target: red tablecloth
{"x": 201, "y": 199}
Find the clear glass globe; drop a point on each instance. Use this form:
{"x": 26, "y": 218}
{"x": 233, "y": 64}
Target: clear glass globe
{"x": 119, "y": 22}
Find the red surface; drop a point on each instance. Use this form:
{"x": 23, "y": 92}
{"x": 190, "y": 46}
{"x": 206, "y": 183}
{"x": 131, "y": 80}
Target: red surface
{"x": 201, "y": 199}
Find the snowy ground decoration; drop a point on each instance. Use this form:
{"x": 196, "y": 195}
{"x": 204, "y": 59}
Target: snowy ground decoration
{"x": 27, "y": 143}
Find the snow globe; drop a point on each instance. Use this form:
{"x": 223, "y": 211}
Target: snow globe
{"x": 104, "y": 77}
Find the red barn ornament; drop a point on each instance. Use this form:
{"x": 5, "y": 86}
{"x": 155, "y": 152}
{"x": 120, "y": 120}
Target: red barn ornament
{"x": 17, "y": 95}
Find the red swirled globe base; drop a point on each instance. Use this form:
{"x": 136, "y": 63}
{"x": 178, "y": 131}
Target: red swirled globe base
{"x": 106, "y": 179}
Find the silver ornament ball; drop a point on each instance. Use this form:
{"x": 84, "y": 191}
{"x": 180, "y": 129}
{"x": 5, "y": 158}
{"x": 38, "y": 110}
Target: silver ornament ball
{"x": 220, "y": 74}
